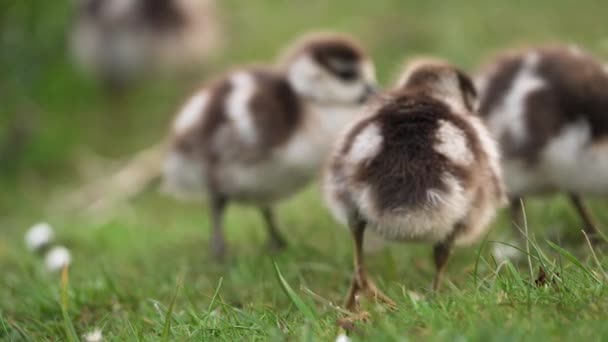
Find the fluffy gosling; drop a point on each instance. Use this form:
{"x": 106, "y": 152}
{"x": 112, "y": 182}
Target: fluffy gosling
{"x": 260, "y": 134}
{"x": 118, "y": 41}
{"x": 548, "y": 108}
{"x": 420, "y": 166}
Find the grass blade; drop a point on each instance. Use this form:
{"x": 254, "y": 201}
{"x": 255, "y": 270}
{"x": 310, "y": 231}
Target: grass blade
{"x": 516, "y": 275}
{"x": 169, "y": 314}
{"x": 479, "y": 251}
{"x": 573, "y": 260}
{"x": 307, "y": 311}
{"x": 136, "y": 333}
{"x": 525, "y": 218}
{"x": 595, "y": 258}
{"x": 25, "y": 335}
{"x": 324, "y": 301}
{"x": 4, "y": 327}
{"x": 217, "y": 291}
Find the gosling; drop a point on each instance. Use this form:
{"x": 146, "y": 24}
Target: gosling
{"x": 420, "y": 166}
{"x": 548, "y": 108}
{"x": 118, "y": 41}
{"x": 260, "y": 134}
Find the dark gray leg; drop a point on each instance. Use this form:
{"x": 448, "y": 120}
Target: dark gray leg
{"x": 359, "y": 276}
{"x": 517, "y": 219}
{"x": 361, "y": 282}
{"x": 275, "y": 239}
{"x": 590, "y": 224}
{"x": 441, "y": 254}
{"x": 217, "y": 244}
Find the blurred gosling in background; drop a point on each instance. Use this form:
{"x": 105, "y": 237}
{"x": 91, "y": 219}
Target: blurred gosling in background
{"x": 259, "y": 134}
{"x": 548, "y": 108}
{"x": 117, "y": 41}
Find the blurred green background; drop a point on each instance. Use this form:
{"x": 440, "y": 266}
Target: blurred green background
{"x": 125, "y": 263}
{"x": 67, "y": 111}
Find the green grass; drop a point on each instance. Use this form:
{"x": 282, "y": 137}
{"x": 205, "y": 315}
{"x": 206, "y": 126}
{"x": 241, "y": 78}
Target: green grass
{"x": 144, "y": 273}
{"x": 147, "y": 276}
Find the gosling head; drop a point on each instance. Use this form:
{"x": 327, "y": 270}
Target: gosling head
{"x": 442, "y": 81}
{"x": 330, "y": 69}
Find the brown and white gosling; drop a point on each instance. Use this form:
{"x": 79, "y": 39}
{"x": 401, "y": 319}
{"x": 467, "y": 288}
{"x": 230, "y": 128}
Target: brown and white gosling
{"x": 118, "y": 41}
{"x": 420, "y": 166}
{"x": 548, "y": 108}
{"x": 260, "y": 134}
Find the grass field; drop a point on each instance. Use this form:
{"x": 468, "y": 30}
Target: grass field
{"x": 143, "y": 273}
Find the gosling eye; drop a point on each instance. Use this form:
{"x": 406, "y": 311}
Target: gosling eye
{"x": 348, "y": 75}
{"x": 345, "y": 70}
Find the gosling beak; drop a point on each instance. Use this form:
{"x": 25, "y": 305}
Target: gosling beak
{"x": 369, "y": 91}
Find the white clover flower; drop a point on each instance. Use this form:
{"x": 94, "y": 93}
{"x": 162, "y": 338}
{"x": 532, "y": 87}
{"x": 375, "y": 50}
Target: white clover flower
{"x": 38, "y": 236}
{"x": 57, "y": 258}
{"x": 93, "y": 336}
